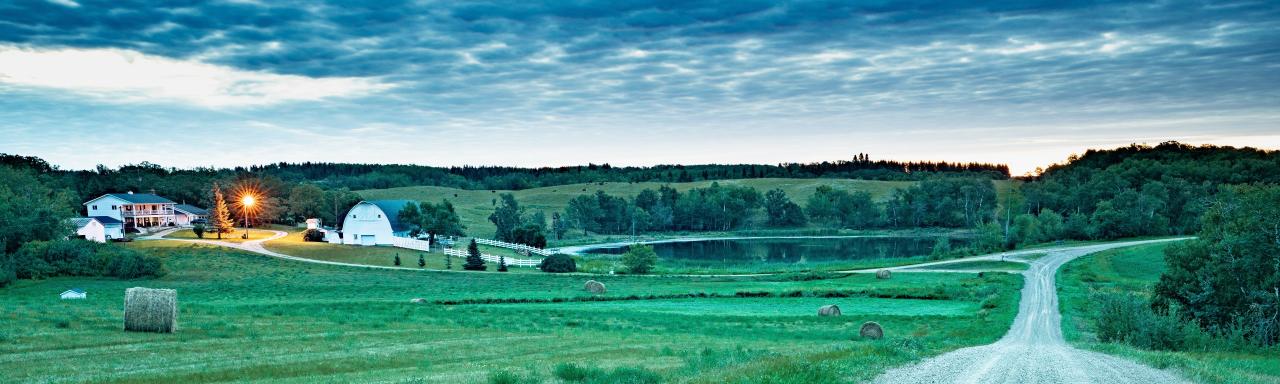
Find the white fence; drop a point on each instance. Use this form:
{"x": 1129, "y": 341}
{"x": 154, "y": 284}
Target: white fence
{"x": 494, "y": 259}
{"x": 415, "y": 244}
{"x": 518, "y": 247}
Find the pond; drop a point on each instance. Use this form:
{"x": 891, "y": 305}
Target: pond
{"x": 784, "y": 251}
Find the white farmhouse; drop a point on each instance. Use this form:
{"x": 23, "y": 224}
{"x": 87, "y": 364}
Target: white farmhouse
{"x": 135, "y": 210}
{"x": 73, "y": 294}
{"x": 374, "y": 222}
{"x": 89, "y": 228}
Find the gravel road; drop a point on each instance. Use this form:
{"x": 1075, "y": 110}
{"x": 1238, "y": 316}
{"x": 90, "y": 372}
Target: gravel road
{"x": 1033, "y": 350}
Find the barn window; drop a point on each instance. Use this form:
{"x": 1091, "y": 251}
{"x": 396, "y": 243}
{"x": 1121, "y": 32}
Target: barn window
{"x": 353, "y": 216}
{"x": 112, "y": 208}
{"x": 95, "y": 207}
{"x": 379, "y": 216}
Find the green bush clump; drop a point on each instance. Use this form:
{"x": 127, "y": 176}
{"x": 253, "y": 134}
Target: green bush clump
{"x": 558, "y": 263}
{"x": 574, "y": 372}
{"x": 1125, "y": 318}
{"x": 42, "y": 259}
{"x": 313, "y": 235}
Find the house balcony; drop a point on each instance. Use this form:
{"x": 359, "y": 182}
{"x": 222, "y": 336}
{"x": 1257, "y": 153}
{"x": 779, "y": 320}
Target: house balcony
{"x": 147, "y": 212}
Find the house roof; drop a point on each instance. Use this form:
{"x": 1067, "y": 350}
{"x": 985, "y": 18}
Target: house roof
{"x": 107, "y": 220}
{"x": 80, "y": 222}
{"x": 392, "y": 209}
{"x": 190, "y": 209}
{"x": 136, "y": 198}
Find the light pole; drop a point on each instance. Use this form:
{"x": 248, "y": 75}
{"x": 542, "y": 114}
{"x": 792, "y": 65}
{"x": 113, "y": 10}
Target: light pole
{"x": 246, "y": 202}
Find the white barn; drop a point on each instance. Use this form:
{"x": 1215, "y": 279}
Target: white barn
{"x": 374, "y": 222}
{"x": 89, "y": 228}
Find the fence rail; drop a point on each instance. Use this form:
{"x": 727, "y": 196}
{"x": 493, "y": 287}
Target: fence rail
{"x": 518, "y": 247}
{"x": 414, "y": 244}
{"x": 494, "y": 259}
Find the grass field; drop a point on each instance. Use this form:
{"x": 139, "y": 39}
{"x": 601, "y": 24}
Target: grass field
{"x": 986, "y": 265}
{"x": 1137, "y": 269}
{"x": 249, "y": 317}
{"x": 474, "y": 206}
{"x": 233, "y": 237}
{"x": 293, "y": 245}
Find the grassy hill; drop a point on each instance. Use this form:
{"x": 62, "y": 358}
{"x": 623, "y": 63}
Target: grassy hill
{"x": 474, "y": 206}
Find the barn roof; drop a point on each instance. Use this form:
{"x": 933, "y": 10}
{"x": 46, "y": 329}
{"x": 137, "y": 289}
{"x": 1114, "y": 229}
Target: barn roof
{"x": 392, "y": 209}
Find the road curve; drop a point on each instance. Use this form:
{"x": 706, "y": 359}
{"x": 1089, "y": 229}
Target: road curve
{"x": 1033, "y": 351}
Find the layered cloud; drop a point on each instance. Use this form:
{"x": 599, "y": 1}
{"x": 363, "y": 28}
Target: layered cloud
{"x": 118, "y": 75}
{"x": 682, "y": 69}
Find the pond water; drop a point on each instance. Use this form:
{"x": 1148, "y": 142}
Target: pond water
{"x": 786, "y": 250}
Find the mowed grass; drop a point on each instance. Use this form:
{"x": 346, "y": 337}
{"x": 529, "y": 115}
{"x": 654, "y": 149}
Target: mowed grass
{"x": 381, "y": 255}
{"x": 474, "y": 206}
{"x": 247, "y": 317}
{"x": 233, "y": 237}
{"x": 982, "y": 265}
{"x": 1137, "y": 269}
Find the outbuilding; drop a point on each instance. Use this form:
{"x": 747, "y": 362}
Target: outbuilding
{"x": 374, "y": 222}
{"x": 185, "y": 214}
{"x": 73, "y": 294}
{"x": 89, "y": 228}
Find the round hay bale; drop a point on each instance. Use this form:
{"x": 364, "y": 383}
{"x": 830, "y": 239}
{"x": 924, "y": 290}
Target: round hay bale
{"x": 595, "y": 287}
{"x": 150, "y": 310}
{"x": 883, "y": 274}
{"x": 829, "y": 310}
{"x": 871, "y": 330}
{"x": 418, "y": 300}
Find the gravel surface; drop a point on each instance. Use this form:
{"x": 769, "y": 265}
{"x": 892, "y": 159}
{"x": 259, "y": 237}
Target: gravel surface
{"x": 1033, "y": 350}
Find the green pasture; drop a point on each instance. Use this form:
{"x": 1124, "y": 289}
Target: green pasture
{"x": 247, "y": 317}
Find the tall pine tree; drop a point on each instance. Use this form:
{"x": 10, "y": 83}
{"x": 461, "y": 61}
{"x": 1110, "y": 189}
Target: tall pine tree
{"x": 220, "y": 216}
{"x": 474, "y": 262}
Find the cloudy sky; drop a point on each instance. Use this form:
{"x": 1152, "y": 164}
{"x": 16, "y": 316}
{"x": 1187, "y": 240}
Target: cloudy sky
{"x": 630, "y": 83}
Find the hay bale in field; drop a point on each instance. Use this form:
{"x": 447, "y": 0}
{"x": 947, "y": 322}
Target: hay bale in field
{"x": 595, "y": 287}
{"x": 871, "y": 330}
{"x": 883, "y": 274}
{"x": 150, "y": 310}
{"x": 829, "y": 310}
{"x": 418, "y": 300}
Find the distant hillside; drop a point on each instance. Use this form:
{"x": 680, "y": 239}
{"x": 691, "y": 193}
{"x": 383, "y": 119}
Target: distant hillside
{"x": 474, "y": 206}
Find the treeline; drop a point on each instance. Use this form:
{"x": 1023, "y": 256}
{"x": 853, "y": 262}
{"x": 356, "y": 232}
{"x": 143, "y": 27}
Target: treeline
{"x": 1137, "y": 190}
{"x": 173, "y": 182}
{"x": 951, "y": 202}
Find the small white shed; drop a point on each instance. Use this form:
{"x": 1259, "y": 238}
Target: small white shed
{"x": 90, "y": 229}
{"x": 73, "y": 294}
{"x": 313, "y": 223}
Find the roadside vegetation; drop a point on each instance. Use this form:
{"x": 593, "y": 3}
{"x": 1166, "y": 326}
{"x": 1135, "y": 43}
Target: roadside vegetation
{"x": 1207, "y": 306}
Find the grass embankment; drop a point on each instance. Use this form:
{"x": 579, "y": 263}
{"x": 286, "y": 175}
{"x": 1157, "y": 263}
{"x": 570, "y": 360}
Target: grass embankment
{"x": 293, "y": 245}
{"x": 249, "y": 317}
{"x": 1136, "y": 270}
{"x": 474, "y": 206}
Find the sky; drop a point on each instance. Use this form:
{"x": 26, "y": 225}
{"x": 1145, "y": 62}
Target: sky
{"x": 563, "y": 82}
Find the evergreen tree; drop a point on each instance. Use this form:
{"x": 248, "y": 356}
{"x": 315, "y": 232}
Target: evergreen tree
{"x": 448, "y": 261}
{"x": 474, "y": 262}
{"x": 422, "y": 261}
{"x": 397, "y": 260}
{"x": 220, "y": 216}
{"x": 502, "y": 263}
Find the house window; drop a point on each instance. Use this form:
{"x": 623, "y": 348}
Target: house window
{"x": 112, "y": 208}
{"x": 95, "y": 207}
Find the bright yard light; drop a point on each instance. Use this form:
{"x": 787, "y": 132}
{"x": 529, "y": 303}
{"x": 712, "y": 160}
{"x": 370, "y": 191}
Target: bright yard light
{"x": 248, "y": 200}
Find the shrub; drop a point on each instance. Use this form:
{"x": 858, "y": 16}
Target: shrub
{"x": 1125, "y": 318}
{"x": 6, "y": 272}
{"x": 41, "y": 259}
{"x": 558, "y": 263}
{"x": 314, "y": 235}
{"x": 574, "y": 372}
{"x": 639, "y": 259}
{"x": 198, "y": 229}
